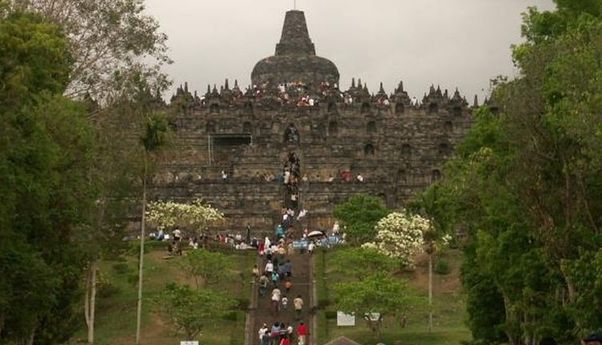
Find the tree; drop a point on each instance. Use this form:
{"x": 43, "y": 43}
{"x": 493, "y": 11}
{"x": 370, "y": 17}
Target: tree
{"x": 400, "y": 236}
{"x": 197, "y": 215}
{"x": 361, "y": 262}
{"x": 525, "y": 183}
{"x": 359, "y": 215}
{"x": 108, "y": 40}
{"x": 188, "y": 310}
{"x": 377, "y": 293}
{"x": 207, "y": 268}
{"x": 45, "y": 151}
{"x": 153, "y": 139}
{"x": 436, "y": 237}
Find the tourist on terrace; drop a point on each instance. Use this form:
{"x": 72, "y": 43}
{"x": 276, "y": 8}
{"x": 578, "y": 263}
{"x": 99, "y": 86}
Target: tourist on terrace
{"x": 276, "y": 294}
{"x": 310, "y": 247}
{"x": 262, "y": 330}
{"x": 269, "y": 267}
{"x": 275, "y": 333}
{"x": 275, "y": 278}
{"x": 284, "y": 340}
{"x": 298, "y": 302}
{"x": 263, "y": 284}
{"x": 265, "y": 337}
{"x": 288, "y": 285}
{"x": 302, "y": 333}
{"x": 302, "y": 214}
{"x": 284, "y": 302}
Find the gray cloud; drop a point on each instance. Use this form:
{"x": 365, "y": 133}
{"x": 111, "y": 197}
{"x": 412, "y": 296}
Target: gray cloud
{"x": 452, "y": 43}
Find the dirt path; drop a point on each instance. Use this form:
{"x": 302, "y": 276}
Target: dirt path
{"x": 302, "y": 285}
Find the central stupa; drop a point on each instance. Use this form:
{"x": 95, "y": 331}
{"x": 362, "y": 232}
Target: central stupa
{"x": 295, "y": 59}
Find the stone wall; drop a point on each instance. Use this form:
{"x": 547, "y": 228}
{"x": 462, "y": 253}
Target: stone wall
{"x": 397, "y": 147}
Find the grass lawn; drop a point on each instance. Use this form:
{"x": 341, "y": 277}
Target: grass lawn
{"x": 448, "y": 304}
{"x": 116, "y": 303}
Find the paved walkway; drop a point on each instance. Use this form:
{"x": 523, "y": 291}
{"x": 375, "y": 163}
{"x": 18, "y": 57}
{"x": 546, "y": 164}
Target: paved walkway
{"x": 302, "y": 285}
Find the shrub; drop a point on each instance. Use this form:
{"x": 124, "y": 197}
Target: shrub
{"x": 324, "y": 302}
{"x": 104, "y": 287}
{"x": 121, "y": 268}
{"x": 231, "y": 316}
{"x": 135, "y": 248}
{"x": 442, "y": 267}
{"x": 330, "y": 314}
{"x": 242, "y": 303}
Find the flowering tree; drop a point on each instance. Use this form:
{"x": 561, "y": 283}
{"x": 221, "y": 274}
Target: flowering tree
{"x": 198, "y": 215}
{"x": 400, "y": 235}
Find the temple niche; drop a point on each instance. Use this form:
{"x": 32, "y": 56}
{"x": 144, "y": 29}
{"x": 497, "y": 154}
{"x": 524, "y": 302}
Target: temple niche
{"x": 295, "y": 103}
{"x": 291, "y": 135}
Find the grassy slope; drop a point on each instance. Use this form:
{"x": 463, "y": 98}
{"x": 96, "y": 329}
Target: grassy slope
{"x": 116, "y": 313}
{"x": 448, "y": 304}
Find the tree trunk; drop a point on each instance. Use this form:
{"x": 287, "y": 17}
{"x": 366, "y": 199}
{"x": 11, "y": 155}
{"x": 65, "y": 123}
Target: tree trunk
{"x": 509, "y": 317}
{"x": 2, "y": 319}
{"x": 29, "y": 340}
{"x": 92, "y": 302}
{"x": 569, "y": 284}
{"x": 87, "y": 299}
{"x": 141, "y": 265}
{"x": 430, "y": 292}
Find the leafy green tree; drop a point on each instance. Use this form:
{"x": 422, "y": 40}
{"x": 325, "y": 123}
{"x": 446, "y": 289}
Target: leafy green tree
{"x": 109, "y": 40}
{"x": 525, "y": 184}
{"x": 359, "y": 216}
{"x": 45, "y": 155}
{"x": 188, "y": 310}
{"x": 153, "y": 140}
{"x": 34, "y": 59}
{"x": 361, "y": 262}
{"x": 207, "y": 268}
{"x": 377, "y": 293}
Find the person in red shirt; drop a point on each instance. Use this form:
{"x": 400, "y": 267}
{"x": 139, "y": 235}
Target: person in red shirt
{"x": 302, "y": 333}
{"x": 285, "y": 341}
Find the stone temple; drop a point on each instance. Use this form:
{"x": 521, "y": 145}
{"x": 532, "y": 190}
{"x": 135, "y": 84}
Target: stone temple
{"x": 231, "y": 144}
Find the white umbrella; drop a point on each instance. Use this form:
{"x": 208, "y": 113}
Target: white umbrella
{"x": 315, "y": 233}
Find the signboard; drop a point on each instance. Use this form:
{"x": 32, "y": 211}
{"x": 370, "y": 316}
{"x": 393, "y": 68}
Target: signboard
{"x": 193, "y": 342}
{"x": 345, "y": 320}
{"x": 302, "y": 244}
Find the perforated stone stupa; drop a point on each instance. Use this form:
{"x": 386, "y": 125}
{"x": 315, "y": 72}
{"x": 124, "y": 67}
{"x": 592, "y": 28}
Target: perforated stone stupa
{"x": 231, "y": 143}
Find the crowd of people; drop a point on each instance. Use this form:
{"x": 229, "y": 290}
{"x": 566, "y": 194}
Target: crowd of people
{"x": 281, "y": 334}
{"x": 292, "y": 175}
{"x": 276, "y": 276}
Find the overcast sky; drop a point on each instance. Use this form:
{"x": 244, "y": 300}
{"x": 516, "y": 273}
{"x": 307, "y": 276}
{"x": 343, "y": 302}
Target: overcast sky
{"x": 452, "y": 43}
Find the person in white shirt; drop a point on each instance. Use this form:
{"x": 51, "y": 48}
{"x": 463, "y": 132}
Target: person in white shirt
{"x": 302, "y": 214}
{"x": 360, "y": 178}
{"x": 335, "y": 228}
{"x": 276, "y": 300}
{"x": 269, "y": 267}
{"x": 177, "y": 234}
{"x": 262, "y": 330}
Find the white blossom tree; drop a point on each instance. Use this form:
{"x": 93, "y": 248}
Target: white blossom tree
{"x": 400, "y": 235}
{"x": 197, "y": 215}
